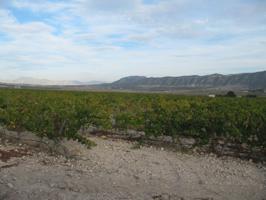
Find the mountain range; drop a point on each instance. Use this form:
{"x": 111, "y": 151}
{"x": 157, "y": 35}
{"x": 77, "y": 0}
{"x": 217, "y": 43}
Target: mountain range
{"x": 237, "y": 82}
{"x": 43, "y": 82}
{"x": 244, "y": 81}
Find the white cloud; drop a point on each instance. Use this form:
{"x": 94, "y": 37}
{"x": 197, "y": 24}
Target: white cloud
{"x": 41, "y": 6}
{"x": 113, "y": 6}
{"x": 103, "y": 39}
{"x": 201, "y": 21}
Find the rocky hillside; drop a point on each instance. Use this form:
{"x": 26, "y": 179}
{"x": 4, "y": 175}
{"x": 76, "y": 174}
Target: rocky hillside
{"x": 245, "y": 81}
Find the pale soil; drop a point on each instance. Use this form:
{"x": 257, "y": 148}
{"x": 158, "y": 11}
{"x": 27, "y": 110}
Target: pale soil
{"x": 114, "y": 170}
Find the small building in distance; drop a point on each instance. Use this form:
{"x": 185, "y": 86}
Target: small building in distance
{"x": 212, "y": 95}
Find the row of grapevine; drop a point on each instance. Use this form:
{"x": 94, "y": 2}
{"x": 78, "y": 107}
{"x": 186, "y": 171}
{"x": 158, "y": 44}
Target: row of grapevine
{"x": 58, "y": 114}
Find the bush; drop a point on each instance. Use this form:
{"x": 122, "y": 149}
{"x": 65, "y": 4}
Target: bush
{"x": 230, "y": 94}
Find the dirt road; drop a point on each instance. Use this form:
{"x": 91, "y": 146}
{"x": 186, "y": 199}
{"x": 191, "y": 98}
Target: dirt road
{"x": 116, "y": 170}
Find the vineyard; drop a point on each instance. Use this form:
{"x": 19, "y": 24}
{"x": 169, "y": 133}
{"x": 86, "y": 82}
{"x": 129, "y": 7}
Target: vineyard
{"x": 59, "y": 114}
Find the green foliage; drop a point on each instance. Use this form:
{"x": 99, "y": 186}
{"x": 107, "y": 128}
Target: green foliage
{"x": 58, "y": 114}
{"x": 230, "y": 94}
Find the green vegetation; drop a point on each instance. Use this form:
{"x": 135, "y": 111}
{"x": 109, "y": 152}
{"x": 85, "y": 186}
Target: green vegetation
{"x": 58, "y": 114}
{"x": 230, "y": 94}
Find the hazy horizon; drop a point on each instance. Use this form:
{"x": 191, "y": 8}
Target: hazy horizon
{"x": 43, "y": 81}
{"x": 105, "y": 40}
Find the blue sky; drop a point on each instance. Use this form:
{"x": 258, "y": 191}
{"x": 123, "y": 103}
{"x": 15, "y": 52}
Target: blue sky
{"x": 108, "y": 39}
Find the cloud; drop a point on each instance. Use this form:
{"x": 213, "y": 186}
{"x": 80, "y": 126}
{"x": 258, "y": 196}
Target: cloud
{"x": 41, "y": 6}
{"x": 110, "y": 6}
{"x": 108, "y": 39}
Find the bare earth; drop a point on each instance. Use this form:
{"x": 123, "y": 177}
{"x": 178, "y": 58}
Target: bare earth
{"x": 115, "y": 170}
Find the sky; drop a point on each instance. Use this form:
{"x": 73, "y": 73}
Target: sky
{"x": 105, "y": 40}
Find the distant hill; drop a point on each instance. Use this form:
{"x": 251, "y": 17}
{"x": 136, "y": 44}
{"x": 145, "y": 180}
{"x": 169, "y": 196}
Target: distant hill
{"x": 253, "y": 82}
{"x": 245, "y": 81}
{"x": 46, "y": 82}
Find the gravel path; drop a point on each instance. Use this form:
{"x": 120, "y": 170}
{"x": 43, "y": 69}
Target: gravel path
{"x": 115, "y": 170}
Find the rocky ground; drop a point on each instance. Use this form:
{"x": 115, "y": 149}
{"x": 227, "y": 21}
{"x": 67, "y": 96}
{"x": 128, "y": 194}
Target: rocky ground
{"x": 117, "y": 169}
